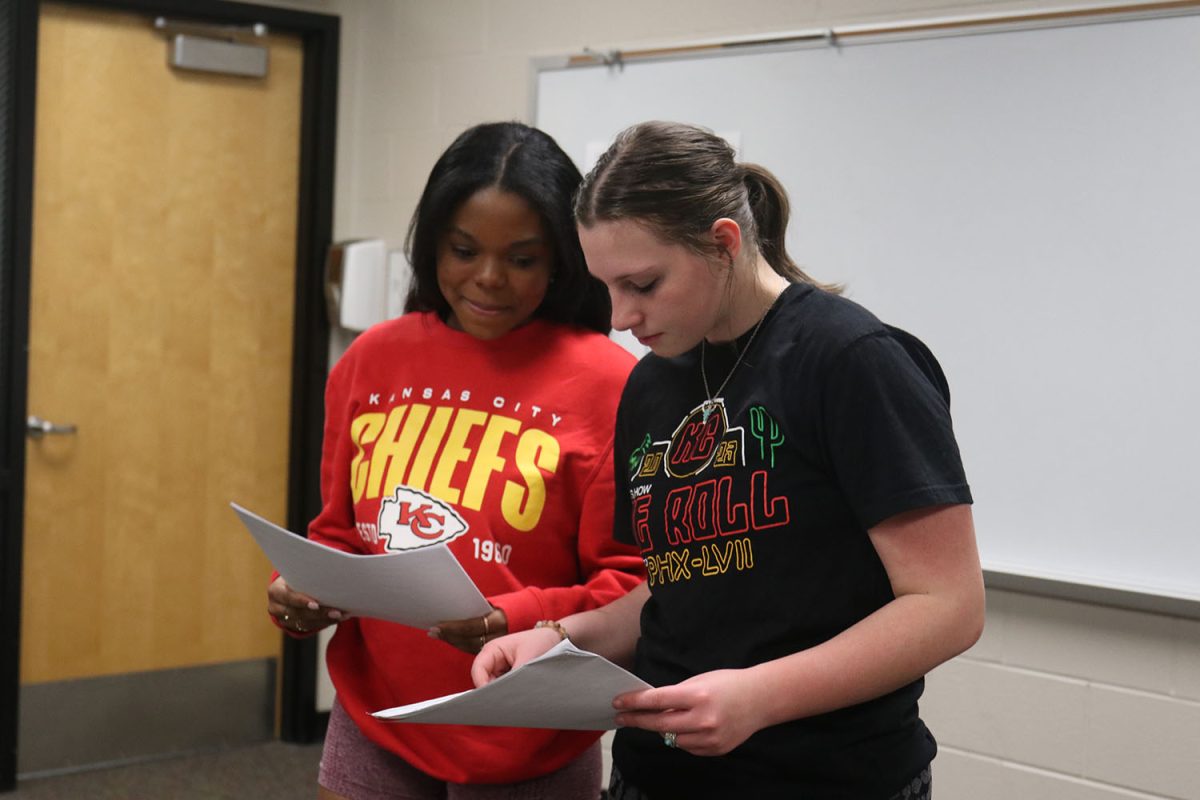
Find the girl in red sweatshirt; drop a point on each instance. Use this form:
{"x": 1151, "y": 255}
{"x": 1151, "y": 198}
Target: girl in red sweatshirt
{"x": 482, "y": 418}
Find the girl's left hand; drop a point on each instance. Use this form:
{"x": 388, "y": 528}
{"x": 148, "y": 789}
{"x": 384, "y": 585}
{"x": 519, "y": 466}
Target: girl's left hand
{"x": 709, "y": 714}
{"x": 470, "y": 635}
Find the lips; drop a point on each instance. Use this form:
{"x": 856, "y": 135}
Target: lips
{"x": 484, "y": 309}
{"x": 647, "y": 341}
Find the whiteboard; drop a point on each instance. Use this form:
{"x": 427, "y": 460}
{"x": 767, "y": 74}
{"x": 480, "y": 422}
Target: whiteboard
{"x": 1028, "y": 203}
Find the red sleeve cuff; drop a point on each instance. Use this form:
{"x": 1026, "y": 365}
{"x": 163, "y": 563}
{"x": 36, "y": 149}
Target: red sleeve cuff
{"x": 522, "y": 608}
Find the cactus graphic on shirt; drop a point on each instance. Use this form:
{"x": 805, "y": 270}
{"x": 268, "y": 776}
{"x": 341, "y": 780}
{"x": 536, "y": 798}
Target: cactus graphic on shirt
{"x": 764, "y": 428}
{"x": 635, "y": 459}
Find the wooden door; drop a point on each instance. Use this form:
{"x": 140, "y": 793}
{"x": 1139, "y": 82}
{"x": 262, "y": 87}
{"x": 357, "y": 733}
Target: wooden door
{"x": 161, "y": 317}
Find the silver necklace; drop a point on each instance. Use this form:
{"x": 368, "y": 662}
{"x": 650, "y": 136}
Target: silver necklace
{"x": 709, "y": 403}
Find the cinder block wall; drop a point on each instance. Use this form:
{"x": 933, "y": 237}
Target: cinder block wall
{"x": 1066, "y": 701}
{"x": 1059, "y": 700}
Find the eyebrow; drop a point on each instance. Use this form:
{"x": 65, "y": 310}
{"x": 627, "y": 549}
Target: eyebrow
{"x": 532, "y": 240}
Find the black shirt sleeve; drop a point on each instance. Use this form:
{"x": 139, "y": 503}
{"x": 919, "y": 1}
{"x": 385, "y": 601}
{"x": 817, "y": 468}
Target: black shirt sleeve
{"x": 887, "y": 428}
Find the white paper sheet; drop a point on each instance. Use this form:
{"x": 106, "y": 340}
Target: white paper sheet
{"x": 565, "y": 688}
{"x": 417, "y": 587}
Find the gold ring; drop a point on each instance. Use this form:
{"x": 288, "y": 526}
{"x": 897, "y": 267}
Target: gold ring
{"x": 486, "y": 627}
{"x": 669, "y": 739}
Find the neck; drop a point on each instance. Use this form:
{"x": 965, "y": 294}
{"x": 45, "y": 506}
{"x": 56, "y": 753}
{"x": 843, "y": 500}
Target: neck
{"x": 749, "y": 300}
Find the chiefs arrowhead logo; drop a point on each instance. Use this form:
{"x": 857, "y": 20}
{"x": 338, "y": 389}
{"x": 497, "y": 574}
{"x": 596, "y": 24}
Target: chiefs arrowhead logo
{"x": 412, "y": 519}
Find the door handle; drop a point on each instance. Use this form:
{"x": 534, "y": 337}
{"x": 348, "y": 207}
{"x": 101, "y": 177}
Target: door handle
{"x": 36, "y": 428}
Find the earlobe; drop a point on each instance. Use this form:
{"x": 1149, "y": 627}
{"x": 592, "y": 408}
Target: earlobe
{"x": 727, "y": 235}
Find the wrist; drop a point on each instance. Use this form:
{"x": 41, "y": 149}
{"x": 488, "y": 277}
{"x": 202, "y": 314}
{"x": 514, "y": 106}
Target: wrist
{"x": 554, "y": 625}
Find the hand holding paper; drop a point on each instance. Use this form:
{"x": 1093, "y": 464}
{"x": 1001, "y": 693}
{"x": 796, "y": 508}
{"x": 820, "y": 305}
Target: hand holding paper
{"x": 509, "y": 652}
{"x": 297, "y": 612}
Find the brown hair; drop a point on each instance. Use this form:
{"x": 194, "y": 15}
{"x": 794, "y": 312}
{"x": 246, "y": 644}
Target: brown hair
{"x": 678, "y": 179}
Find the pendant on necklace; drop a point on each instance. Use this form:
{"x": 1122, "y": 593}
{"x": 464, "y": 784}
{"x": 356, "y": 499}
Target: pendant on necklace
{"x": 706, "y": 408}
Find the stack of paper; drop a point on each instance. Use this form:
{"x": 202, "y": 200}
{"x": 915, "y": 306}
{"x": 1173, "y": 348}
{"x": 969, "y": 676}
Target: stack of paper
{"x": 418, "y": 587}
{"x": 565, "y": 688}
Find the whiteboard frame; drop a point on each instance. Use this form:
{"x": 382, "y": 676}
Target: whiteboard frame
{"x": 848, "y": 35}
{"x": 840, "y": 36}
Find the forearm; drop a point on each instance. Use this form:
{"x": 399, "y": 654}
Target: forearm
{"x": 612, "y": 630}
{"x": 896, "y": 645}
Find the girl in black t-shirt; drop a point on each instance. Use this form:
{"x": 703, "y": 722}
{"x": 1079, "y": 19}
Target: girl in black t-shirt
{"x": 786, "y": 463}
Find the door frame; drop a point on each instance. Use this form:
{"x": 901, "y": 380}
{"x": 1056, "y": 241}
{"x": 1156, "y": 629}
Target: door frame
{"x": 299, "y": 719}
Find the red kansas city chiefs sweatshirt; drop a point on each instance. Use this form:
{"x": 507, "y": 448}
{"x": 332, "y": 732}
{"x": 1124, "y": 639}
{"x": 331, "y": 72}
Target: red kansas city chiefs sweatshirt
{"x": 502, "y": 449}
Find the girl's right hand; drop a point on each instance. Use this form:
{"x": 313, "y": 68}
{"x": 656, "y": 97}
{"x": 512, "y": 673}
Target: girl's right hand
{"x": 298, "y": 613}
{"x": 506, "y": 653}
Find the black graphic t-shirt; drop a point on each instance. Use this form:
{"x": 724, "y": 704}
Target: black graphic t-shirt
{"x": 752, "y": 519}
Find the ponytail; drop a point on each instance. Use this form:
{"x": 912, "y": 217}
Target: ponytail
{"x": 770, "y": 209}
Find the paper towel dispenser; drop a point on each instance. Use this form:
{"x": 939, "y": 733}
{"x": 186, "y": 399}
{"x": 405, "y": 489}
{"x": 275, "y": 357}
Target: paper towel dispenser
{"x": 356, "y": 283}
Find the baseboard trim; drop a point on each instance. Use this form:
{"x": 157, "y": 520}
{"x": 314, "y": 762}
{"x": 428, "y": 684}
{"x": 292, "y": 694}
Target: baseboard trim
{"x": 67, "y": 726}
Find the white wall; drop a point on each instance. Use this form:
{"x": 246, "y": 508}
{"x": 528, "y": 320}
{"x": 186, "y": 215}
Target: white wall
{"x": 1059, "y": 700}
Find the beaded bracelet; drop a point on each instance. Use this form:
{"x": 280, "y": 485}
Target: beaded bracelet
{"x": 552, "y": 624}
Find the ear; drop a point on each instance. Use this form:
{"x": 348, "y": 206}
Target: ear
{"x": 727, "y": 235}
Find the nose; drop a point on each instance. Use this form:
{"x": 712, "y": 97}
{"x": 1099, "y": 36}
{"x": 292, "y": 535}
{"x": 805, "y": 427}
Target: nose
{"x": 490, "y": 274}
{"x": 625, "y": 313}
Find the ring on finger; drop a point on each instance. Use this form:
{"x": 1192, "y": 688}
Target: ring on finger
{"x": 669, "y": 739}
{"x": 486, "y": 627}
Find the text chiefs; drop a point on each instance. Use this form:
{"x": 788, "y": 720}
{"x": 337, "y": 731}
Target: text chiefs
{"x": 422, "y": 445}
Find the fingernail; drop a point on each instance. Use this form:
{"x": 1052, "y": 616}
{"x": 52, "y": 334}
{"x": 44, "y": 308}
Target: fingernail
{"x": 434, "y": 633}
{"x": 335, "y": 614}
{"x": 313, "y": 605}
